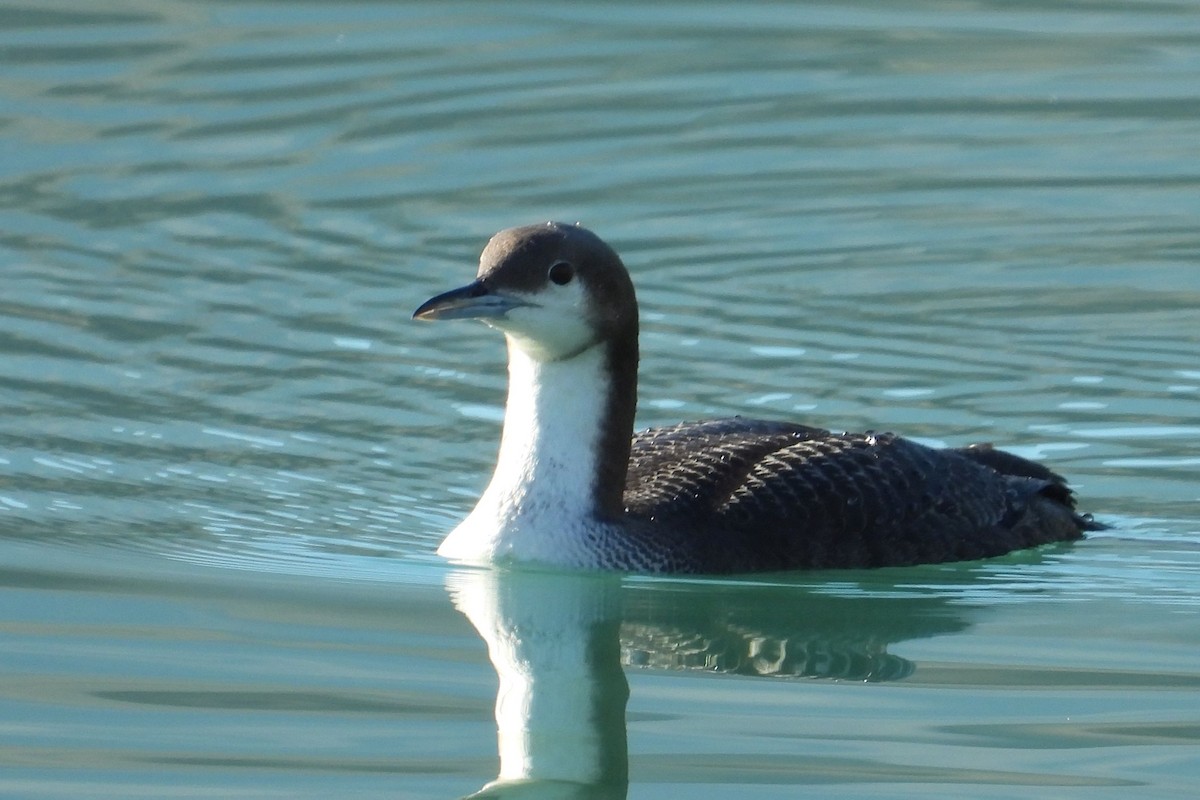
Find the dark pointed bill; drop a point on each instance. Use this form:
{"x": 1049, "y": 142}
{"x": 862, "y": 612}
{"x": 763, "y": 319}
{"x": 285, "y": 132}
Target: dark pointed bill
{"x": 473, "y": 301}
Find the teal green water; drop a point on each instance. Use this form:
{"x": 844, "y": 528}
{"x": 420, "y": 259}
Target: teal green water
{"x": 227, "y": 456}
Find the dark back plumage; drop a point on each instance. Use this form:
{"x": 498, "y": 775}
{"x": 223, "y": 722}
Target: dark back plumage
{"x": 774, "y": 495}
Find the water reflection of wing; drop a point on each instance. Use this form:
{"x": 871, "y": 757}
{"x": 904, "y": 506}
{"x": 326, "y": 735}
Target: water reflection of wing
{"x": 747, "y": 652}
{"x": 779, "y": 631}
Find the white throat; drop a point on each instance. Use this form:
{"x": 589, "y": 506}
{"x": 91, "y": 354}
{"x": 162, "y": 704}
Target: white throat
{"x": 540, "y": 504}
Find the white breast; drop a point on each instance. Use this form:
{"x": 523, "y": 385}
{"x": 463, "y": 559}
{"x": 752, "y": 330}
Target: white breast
{"x": 539, "y": 504}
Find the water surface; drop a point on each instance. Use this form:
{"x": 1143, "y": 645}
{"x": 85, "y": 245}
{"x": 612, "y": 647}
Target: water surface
{"x": 226, "y": 455}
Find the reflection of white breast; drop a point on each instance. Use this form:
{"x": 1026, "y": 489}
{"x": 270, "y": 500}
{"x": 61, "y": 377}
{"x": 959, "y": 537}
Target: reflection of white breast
{"x": 553, "y": 640}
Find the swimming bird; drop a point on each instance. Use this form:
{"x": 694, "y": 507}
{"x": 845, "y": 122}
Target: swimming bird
{"x": 575, "y": 487}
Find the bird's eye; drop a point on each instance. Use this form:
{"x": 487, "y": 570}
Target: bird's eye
{"x": 561, "y": 273}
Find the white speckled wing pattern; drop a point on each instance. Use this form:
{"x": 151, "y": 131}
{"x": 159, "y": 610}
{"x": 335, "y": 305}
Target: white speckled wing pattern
{"x": 755, "y": 494}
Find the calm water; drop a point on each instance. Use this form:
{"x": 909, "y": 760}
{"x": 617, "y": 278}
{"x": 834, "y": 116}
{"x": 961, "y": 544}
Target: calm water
{"x": 226, "y": 455}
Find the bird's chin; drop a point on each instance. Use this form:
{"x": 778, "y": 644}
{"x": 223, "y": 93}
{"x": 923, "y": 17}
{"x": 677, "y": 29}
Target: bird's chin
{"x": 543, "y": 350}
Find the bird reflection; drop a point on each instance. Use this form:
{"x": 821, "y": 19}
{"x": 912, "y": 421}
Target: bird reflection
{"x": 559, "y": 643}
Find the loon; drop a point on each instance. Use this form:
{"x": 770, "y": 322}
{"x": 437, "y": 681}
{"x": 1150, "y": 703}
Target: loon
{"x": 574, "y": 487}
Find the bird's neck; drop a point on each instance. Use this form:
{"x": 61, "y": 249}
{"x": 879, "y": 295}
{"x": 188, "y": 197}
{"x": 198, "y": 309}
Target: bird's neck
{"x": 567, "y": 428}
{"x": 559, "y": 484}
